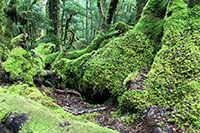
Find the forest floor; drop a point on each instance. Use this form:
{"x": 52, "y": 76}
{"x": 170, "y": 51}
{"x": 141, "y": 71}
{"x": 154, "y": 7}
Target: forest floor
{"x": 151, "y": 120}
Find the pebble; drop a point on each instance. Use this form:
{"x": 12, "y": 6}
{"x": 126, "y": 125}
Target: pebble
{"x": 151, "y": 112}
{"x": 157, "y": 130}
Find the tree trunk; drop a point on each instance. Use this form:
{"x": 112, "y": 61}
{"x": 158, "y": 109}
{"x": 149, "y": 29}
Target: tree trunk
{"x": 87, "y": 21}
{"x": 113, "y": 6}
{"x": 101, "y": 6}
{"x": 1, "y": 19}
{"x": 53, "y": 11}
{"x": 62, "y": 20}
{"x": 139, "y": 8}
{"x": 91, "y": 20}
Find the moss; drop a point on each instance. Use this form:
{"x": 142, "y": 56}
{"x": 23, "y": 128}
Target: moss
{"x": 15, "y": 42}
{"x": 105, "y": 70}
{"x": 72, "y": 70}
{"x": 133, "y": 101}
{"x": 20, "y": 65}
{"x": 44, "y": 54}
{"x": 41, "y": 118}
{"x": 174, "y": 76}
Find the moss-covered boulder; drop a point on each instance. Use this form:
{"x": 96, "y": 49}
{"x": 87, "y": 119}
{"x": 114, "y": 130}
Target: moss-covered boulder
{"x": 20, "y": 65}
{"x": 42, "y": 114}
{"x": 133, "y": 101}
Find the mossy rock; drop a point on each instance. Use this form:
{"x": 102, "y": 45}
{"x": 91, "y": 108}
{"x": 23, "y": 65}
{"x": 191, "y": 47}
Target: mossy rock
{"x": 43, "y": 118}
{"x": 133, "y": 101}
{"x": 20, "y": 65}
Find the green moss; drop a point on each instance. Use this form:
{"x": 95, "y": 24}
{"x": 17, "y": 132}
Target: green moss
{"x": 133, "y": 101}
{"x": 19, "y": 65}
{"x": 105, "y": 70}
{"x": 71, "y": 70}
{"x": 15, "y": 42}
{"x": 174, "y": 76}
{"x": 40, "y": 118}
{"x": 44, "y": 54}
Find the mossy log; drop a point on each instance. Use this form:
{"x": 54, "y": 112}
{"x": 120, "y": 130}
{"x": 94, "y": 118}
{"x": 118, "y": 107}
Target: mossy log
{"x": 104, "y": 70}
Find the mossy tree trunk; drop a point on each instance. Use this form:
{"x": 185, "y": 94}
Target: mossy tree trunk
{"x": 139, "y": 8}
{"x": 113, "y": 6}
{"x": 11, "y": 14}
{"x": 1, "y": 20}
{"x": 103, "y": 70}
{"x": 53, "y": 12}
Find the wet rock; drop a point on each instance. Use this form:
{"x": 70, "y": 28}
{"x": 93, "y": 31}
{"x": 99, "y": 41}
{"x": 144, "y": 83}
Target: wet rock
{"x": 64, "y": 124}
{"x": 13, "y": 123}
{"x": 157, "y": 130}
{"x": 151, "y": 112}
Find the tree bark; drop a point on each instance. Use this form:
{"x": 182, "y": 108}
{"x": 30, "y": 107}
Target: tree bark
{"x": 53, "y": 11}
{"x": 87, "y": 21}
{"x": 139, "y": 8}
{"x": 113, "y": 6}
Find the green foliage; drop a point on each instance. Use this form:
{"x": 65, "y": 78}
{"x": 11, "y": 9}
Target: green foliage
{"x": 15, "y": 42}
{"x": 20, "y": 65}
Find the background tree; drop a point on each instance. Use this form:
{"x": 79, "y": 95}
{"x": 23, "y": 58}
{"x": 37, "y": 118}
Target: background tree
{"x": 139, "y": 8}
